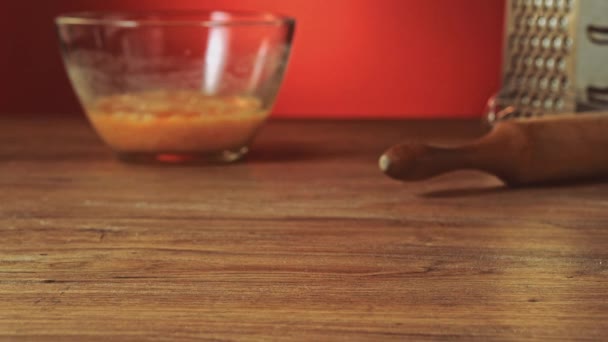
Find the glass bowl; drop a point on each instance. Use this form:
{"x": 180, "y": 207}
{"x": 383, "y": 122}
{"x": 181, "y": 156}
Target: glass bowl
{"x": 176, "y": 85}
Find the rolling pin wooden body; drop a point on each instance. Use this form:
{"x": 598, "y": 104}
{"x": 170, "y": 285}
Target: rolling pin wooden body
{"x": 519, "y": 152}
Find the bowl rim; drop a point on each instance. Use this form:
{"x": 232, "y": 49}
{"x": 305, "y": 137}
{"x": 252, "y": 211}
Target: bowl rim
{"x": 171, "y": 18}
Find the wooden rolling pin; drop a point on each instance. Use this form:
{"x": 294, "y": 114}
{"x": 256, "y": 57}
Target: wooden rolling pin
{"x": 519, "y": 152}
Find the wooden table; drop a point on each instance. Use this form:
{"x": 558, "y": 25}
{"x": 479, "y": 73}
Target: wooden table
{"x": 305, "y": 241}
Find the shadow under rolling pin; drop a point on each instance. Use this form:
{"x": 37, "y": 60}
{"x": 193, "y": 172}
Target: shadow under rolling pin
{"x": 519, "y": 152}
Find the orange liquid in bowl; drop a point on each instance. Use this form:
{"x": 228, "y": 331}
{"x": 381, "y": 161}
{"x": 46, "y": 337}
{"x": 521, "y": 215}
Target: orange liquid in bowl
{"x": 176, "y": 121}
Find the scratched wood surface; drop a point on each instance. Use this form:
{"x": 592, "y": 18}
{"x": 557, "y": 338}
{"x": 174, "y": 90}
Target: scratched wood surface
{"x": 304, "y": 241}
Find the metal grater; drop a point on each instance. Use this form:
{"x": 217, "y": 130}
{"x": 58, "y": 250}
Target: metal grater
{"x": 555, "y": 57}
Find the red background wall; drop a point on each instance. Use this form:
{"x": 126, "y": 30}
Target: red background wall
{"x": 351, "y": 58}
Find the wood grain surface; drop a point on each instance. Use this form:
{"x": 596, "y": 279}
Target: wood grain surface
{"x": 306, "y": 240}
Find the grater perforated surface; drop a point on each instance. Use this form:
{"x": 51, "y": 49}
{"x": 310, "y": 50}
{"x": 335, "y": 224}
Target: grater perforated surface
{"x": 544, "y": 65}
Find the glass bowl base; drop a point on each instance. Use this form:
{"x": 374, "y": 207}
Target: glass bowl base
{"x": 221, "y": 157}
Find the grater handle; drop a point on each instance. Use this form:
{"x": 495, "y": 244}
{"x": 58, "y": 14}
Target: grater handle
{"x": 597, "y": 34}
{"x": 598, "y": 95}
